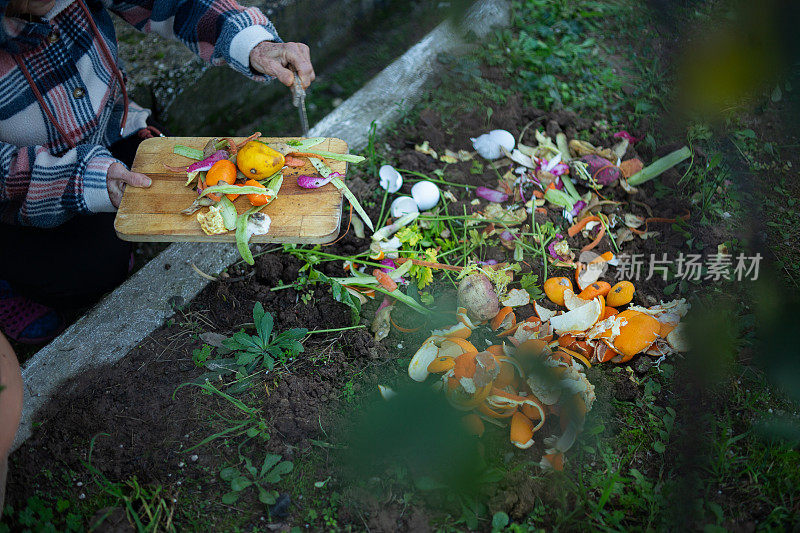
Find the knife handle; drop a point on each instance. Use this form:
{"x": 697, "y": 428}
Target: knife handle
{"x": 298, "y": 93}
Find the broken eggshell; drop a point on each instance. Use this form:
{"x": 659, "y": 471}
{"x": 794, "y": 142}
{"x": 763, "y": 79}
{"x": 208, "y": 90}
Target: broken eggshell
{"x": 426, "y": 194}
{"x": 390, "y": 178}
{"x": 403, "y": 205}
{"x": 257, "y": 224}
{"x": 490, "y": 145}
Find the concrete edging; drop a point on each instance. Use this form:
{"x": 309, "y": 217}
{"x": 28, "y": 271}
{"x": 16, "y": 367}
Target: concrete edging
{"x": 141, "y": 304}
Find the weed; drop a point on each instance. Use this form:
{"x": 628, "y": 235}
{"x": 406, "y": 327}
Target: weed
{"x": 146, "y": 507}
{"x": 39, "y": 515}
{"x": 252, "y": 426}
{"x": 201, "y": 355}
{"x": 241, "y": 477}
{"x": 265, "y": 349}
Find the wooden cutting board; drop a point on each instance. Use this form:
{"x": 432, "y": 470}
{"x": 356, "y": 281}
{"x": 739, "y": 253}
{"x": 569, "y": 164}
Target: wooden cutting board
{"x": 302, "y": 216}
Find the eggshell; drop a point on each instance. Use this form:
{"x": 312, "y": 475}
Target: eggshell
{"x": 390, "y": 179}
{"x": 403, "y": 205}
{"x": 426, "y": 194}
{"x": 489, "y": 144}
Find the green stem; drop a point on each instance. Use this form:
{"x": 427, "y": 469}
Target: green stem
{"x": 448, "y": 252}
{"x": 435, "y": 180}
{"x": 606, "y": 226}
{"x": 340, "y": 257}
{"x": 334, "y": 330}
{"x": 381, "y": 220}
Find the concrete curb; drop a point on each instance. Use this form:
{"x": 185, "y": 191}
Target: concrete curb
{"x": 140, "y": 305}
{"x": 402, "y": 83}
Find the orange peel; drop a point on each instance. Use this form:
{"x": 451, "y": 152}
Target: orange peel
{"x": 505, "y": 319}
{"x": 554, "y": 289}
{"x": 521, "y": 433}
{"x": 504, "y": 413}
{"x": 620, "y": 294}
{"x": 578, "y": 320}
{"x": 418, "y": 368}
{"x": 608, "y": 311}
{"x": 441, "y": 364}
{"x": 637, "y": 335}
{"x": 459, "y": 330}
{"x": 542, "y": 312}
{"x": 598, "y": 288}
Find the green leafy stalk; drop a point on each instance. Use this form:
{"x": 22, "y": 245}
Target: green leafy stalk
{"x": 303, "y": 145}
{"x": 569, "y": 188}
{"x": 408, "y": 300}
{"x": 339, "y": 184}
{"x": 660, "y": 166}
{"x": 325, "y": 171}
{"x": 228, "y": 212}
{"x": 348, "y": 158}
{"x": 235, "y": 189}
{"x": 185, "y": 151}
{"x": 242, "y": 239}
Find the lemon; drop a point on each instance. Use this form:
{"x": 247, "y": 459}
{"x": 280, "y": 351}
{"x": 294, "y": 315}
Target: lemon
{"x": 257, "y": 161}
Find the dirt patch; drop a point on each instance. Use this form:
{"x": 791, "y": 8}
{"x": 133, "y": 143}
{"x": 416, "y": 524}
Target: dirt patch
{"x": 142, "y": 425}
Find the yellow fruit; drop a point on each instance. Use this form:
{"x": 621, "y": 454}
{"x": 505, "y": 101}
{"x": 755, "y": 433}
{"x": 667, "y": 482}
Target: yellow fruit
{"x": 257, "y": 161}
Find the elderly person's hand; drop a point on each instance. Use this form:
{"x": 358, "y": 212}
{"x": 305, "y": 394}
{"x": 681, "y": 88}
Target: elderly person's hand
{"x": 118, "y": 177}
{"x": 282, "y": 60}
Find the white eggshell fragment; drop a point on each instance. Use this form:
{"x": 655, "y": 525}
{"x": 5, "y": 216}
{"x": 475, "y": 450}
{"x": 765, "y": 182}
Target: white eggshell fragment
{"x": 426, "y": 194}
{"x": 490, "y": 145}
{"x": 390, "y": 179}
{"x": 403, "y": 205}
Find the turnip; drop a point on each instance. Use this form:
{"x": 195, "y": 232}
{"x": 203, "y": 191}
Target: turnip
{"x": 476, "y": 293}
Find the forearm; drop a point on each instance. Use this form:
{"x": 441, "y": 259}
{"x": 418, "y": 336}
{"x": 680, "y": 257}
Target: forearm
{"x": 40, "y": 189}
{"x": 218, "y": 31}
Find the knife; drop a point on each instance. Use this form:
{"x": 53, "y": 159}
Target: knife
{"x": 299, "y": 101}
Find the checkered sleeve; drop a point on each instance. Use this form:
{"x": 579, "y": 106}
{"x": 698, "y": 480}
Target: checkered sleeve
{"x": 219, "y": 31}
{"x": 40, "y": 189}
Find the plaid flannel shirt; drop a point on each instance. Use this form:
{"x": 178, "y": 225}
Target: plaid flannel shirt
{"x": 44, "y": 182}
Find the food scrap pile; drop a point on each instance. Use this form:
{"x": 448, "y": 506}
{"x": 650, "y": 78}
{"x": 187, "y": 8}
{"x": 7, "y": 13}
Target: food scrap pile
{"x": 532, "y": 367}
{"x": 226, "y": 170}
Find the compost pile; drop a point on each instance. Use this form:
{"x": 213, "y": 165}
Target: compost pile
{"x": 531, "y": 367}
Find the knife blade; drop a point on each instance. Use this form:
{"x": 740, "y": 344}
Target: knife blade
{"x": 299, "y": 101}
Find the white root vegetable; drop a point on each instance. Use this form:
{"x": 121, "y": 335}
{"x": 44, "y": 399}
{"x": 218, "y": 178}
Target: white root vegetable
{"x": 476, "y": 293}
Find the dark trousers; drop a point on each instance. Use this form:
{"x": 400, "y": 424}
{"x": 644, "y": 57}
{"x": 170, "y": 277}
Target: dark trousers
{"x": 71, "y": 265}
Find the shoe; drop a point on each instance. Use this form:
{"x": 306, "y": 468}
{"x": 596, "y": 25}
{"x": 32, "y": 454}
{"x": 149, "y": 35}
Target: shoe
{"x": 25, "y": 321}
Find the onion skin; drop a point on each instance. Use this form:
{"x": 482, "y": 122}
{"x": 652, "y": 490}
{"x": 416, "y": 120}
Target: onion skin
{"x": 208, "y": 162}
{"x": 315, "y": 182}
{"x": 476, "y": 293}
{"x": 602, "y": 170}
{"x": 491, "y": 194}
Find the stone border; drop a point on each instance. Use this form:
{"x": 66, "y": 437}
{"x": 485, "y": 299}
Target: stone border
{"x": 141, "y": 304}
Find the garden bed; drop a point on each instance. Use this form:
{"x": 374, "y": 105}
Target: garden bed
{"x": 137, "y": 420}
{"x": 141, "y": 425}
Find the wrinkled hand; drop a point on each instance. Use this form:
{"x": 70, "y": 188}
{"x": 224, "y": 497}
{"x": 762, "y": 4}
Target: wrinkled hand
{"x": 118, "y": 177}
{"x": 282, "y": 60}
